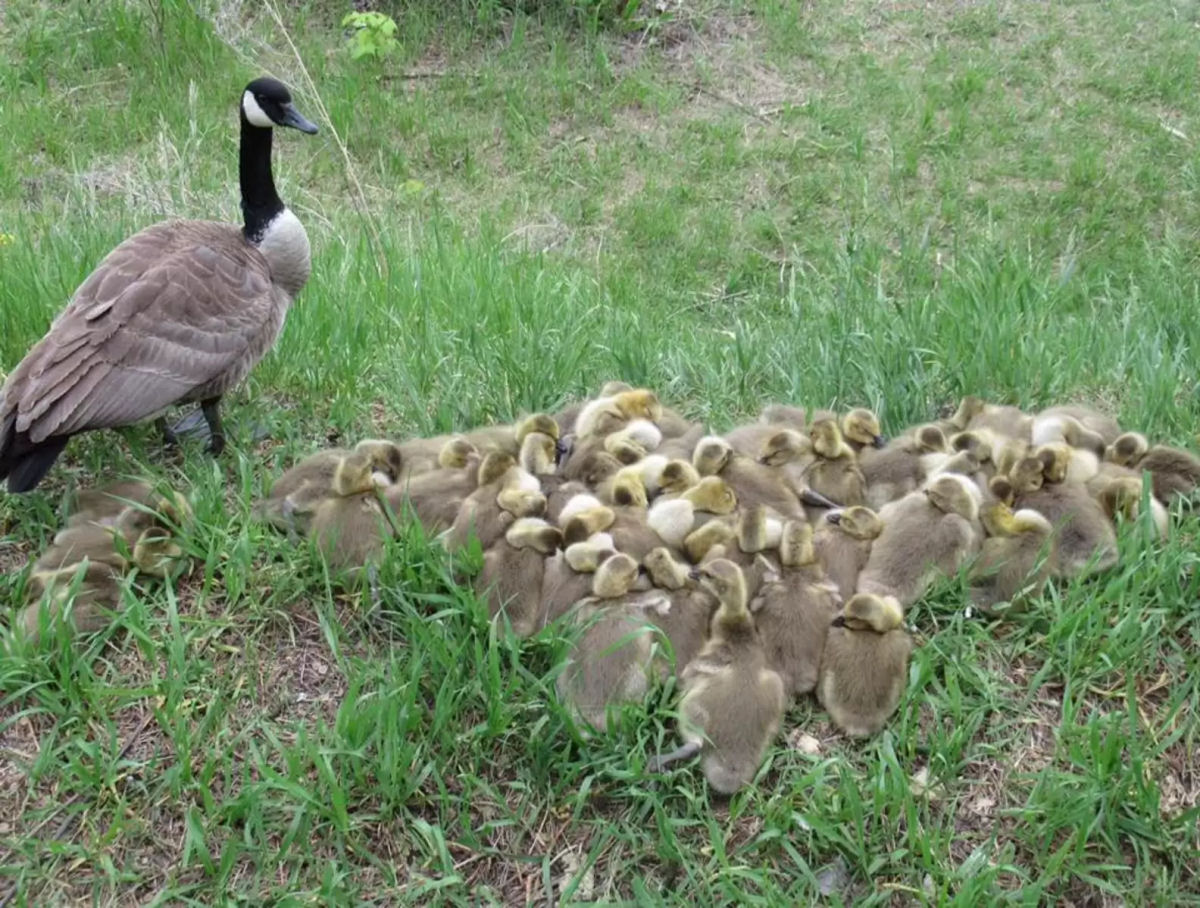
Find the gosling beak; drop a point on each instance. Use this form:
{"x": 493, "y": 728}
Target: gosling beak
{"x": 834, "y": 517}
{"x": 839, "y": 621}
{"x": 296, "y": 120}
{"x": 694, "y": 574}
{"x": 562, "y": 449}
{"x": 880, "y": 441}
{"x": 817, "y": 500}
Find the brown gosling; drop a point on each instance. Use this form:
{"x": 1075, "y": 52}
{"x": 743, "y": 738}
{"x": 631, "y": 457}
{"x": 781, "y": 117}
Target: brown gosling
{"x": 350, "y": 525}
{"x": 1016, "y": 558}
{"x": 1174, "y": 472}
{"x": 843, "y": 544}
{"x": 1063, "y": 463}
{"x": 504, "y": 492}
{"x": 753, "y": 483}
{"x": 835, "y": 473}
{"x": 925, "y": 533}
{"x": 568, "y": 575}
{"x": 903, "y": 465}
{"x": 513, "y": 571}
{"x": 865, "y": 664}
{"x": 793, "y": 611}
{"x": 1085, "y": 541}
{"x": 685, "y": 622}
{"x": 608, "y": 414}
{"x": 732, "y": 702}
{"x": 612, "y": 660}
{"x": 1078, "y": 426}
{"x": 1009, "y": 421}
{"x": 1121, "y": 499}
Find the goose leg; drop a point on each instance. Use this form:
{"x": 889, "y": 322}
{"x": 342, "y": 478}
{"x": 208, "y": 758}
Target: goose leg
{"x": 194, "y": 425}
{"x": 683, "y": 752}
{"x": 170, "y": 439}
{"x": 212, "y": 416}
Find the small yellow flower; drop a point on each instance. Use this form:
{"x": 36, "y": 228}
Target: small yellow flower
{"x": 7, "y": 239}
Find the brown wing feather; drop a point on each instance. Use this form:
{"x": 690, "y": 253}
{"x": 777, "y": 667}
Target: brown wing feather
{"x": 179, "y": 311}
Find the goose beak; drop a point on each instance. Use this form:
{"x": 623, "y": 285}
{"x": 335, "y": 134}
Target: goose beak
{"x": 817, "y": 500}
{"x": 297, "y": 120}
{"x": 880, "y": 441}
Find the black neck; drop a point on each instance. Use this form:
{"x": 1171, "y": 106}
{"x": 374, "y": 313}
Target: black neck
{"x": 260, "y": 201}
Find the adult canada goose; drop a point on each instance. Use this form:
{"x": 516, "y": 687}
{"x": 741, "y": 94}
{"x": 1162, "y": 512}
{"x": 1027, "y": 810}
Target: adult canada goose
{"x": 179, "y": 312}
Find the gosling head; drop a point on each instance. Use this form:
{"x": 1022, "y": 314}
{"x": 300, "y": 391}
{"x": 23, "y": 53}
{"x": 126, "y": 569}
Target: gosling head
{"x": 783, "y": 447}
{"x": 385, "y": 455}
{"x": 712, "y": 494}
{"x": 753, "y": 529}
{"x": 597, "y": 466}
{"x": 970, "y": 407}
{"x": 575, "y": 504}
{"x": 827, "y": 441}
{"x": 615, "y": 576}
{"x": 538, "y": 454}
{"x": 639, "y": 403}
{"x": 954, "y": 494}
{"x": 1128, "y": 449}
{"x": 155, "y": 552}
{"x": 861, "y": 427}
{"x": 457, "y": 454}
{"x": 625, "y": 449}
{"x": 725, "y": 580}
{"x": 1122, "y": 496}
{"x": 931, "y": 440}
{"x": 353, "y": 475}
{"x": 629, "y": 491}
{"x": 521, "y": 502}
{"x": 858, "y": 522}
{"x": 665, "y": 572}
{"x": 534, "y": 533}
{"x": 1055, "y": 458}
{"x": 585, "y": 523}
{"x": 701, "y": 541}
{"x": 1027, "y": 475}
{"x": 538, "y": 422}
{"x": 585, "y": 557}
{"x": 796, "y": 545}
{"x": 868, "y": 612}
{"x": 170, "y": 509}
{"x": 677, "y": 477}
{"x": 972, "y": 442}
{"x": 1002, "y": 490}
{"x": 711, "y": 455}
{"x": 494, "y": 466}
{"x": 1000, "y": 520}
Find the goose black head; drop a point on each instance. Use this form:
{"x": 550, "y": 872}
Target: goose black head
{"x": 267, "y": 103}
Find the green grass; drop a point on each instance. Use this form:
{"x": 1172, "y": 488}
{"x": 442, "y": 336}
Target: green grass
{"x": 825, "y": 203}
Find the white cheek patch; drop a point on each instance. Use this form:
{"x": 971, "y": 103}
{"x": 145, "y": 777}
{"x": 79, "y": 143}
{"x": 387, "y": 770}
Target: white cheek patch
{"x": 253, "y": 112}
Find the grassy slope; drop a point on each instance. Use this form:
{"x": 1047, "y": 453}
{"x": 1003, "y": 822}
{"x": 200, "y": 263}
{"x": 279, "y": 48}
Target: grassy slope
{"x": 827, "y": 203}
